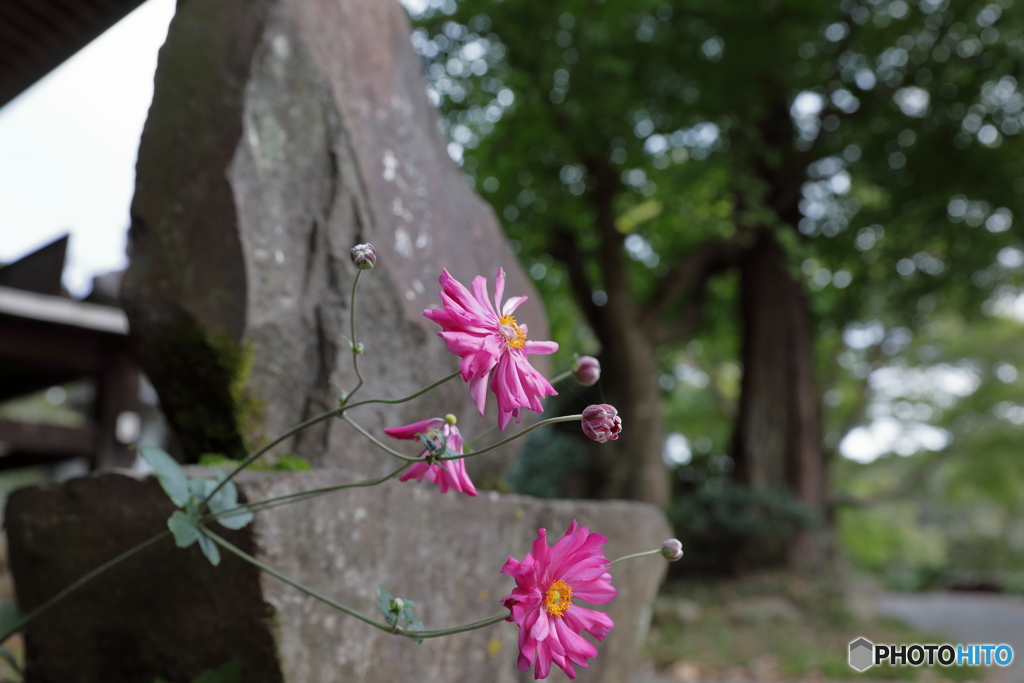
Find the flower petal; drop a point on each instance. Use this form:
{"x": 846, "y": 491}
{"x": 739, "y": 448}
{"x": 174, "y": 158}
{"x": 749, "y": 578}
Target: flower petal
{"x": 409, "y": 432}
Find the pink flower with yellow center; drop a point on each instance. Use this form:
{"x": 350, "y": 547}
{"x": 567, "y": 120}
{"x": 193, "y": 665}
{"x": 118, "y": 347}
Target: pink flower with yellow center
{"x": 446, "y": 473}
{"x": 493, "y": 346}
{"x": 548, "y": 581}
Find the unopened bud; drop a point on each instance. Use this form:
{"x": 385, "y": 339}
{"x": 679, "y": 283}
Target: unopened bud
{"x": 672, "y": 550}
{"x": 601, "y": 422}
{"x": 364, "y": 256}
{"x": 586, "y": 370}
{"x": 450, "y": 419}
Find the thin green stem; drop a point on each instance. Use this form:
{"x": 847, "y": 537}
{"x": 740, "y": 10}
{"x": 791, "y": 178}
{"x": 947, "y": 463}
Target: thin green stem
{"x": 630, "y": 557}
{"x": 559, "y": 378}
{"x": 79, "y": 583}
{"x": 249, "y": 460}
{"x": 348, "y": 610}
{"x": 269, "y": 503}
{"x": 352, "y": 331}
{"x": 320, "y": 418}
{"x": 407, "y": 398}
{"x": 550, "y": 420}
{"x": 480, "y": 436}
{"x": 376, "y": 442}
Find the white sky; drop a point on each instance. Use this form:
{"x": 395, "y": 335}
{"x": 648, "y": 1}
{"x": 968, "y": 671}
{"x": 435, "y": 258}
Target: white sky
{"x": 68, "y": 147}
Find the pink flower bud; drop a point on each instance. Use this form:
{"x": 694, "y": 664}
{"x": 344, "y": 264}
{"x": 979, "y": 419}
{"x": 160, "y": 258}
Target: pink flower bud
{"x": 364, "y": 256}
{"x": 601, "y": 422}
{"x": 672, "y": 550}
{"x": 587, "y": 370}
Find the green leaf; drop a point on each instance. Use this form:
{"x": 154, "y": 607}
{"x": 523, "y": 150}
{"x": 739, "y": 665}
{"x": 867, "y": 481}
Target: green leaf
{"x": 384, "y": 605}
{"x": 227, "y": 499}
{"x": 184, "y": 526}
{"x": 168, "y": 472}
{"x": 209, "y": 549}
{"x": 200, "y": 488}
{"x": 228, "y": 673}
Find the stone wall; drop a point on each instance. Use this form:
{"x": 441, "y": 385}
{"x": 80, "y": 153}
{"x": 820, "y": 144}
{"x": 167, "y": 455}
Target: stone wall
{"x": 167, "y": 612}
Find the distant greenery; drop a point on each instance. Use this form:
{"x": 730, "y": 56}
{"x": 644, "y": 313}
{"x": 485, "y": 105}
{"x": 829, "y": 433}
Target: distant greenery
{"x": 881, "y": 144}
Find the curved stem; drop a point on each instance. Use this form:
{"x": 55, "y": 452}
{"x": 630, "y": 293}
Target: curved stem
{"x": 348, "y": 610}
{"x": 407, "y": 398}
{"x": 376, "y": 442}
{"x": 497, "y": 618}
{"x": 550, "y": 420}
{"x": 261, "y": 505}
{"x": 79, "y": 583}
{"x": 352, "y": 331}
{"x": 559, "y": 378}
{"x": 320, "y": 418}
{"x": 249, "y": 460}
{"x": 630, "y": 557}
{"x": 480, "y": 436}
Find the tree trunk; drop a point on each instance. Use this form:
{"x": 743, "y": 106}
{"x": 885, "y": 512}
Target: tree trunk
{"x": 776, "y": 443}
{"x": 633, "y": 464}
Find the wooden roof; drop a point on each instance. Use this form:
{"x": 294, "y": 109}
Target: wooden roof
{"x": 36, "y": 36}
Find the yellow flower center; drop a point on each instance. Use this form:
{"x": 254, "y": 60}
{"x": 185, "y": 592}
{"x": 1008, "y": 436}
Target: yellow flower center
{"x": 558, "y": 598}
{"x": 514, "y": 336}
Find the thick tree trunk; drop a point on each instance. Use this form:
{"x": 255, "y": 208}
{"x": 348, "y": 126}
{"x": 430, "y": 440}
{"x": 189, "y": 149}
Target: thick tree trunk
{"x": 633, "y": 464}
{"x": 776, "y": 444}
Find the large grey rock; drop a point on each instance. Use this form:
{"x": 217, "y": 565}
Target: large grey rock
{"x": 168, "y": 613}
{"x": 283, "y": 132}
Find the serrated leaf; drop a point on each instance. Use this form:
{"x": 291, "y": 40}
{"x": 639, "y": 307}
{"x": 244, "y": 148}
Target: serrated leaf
{"x": 228, "y": 673}
{"x": 184, "y": 526}
{"x": 209, "y": 549}
{"x": 168, "y": 472}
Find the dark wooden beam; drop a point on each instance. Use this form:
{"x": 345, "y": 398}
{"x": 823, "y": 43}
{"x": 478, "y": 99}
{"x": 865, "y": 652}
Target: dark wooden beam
{"x": 49, "y": 440}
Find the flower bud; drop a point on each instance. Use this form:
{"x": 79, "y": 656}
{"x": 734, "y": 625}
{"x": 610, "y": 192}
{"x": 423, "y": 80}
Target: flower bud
{"x": 586, "y": 370}
{"x": 601, "y": 422}
{"x": 364, "y": 256}
{"x": 450, "y": 419}
{"x": 672, "y": 550}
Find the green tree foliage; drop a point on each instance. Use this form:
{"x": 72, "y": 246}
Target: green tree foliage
{"x": 650, "y": 159}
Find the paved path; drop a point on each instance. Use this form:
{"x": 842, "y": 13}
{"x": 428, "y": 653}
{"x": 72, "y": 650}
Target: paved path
{"x": 964, "y": 618}
{"x": 960, "y": 618}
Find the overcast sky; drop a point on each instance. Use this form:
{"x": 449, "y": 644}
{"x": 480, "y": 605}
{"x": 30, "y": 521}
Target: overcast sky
{"x": 68, "y": 148}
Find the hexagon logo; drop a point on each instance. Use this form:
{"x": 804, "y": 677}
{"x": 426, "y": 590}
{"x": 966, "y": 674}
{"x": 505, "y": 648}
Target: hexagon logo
{"x": 861, "y": 654}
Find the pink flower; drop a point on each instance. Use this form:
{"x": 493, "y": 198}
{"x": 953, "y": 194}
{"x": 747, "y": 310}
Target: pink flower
{"x": 587, "y": 370}
{"x": 447, "y": 473}
{"x": 547, "y": 582}
{"x": 601, "y": 422}
{"x": 492, "y": 346}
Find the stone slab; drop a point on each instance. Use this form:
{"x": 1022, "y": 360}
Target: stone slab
{"x": 168, "y": 613}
